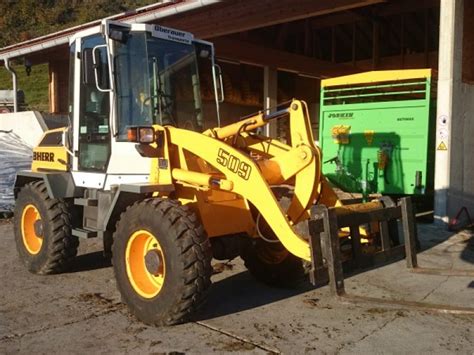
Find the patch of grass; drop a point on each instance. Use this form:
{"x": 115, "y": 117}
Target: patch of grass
{"x": 34, "y": 86}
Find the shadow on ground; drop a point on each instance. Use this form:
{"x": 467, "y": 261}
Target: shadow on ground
{"x": 241, "y": 292}
{"x": 468, "y": 253}
{"x": 90, "y": 261}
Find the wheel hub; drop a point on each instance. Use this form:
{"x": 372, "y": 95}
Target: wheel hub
{"x": 38, "y": 227}
{"x": 153, "y": 262}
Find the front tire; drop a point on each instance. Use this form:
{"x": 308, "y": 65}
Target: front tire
{"x": 162, "y": 261}
{"x": 43, "y": 231}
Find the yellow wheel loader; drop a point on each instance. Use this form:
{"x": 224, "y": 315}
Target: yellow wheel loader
{"x": 146, "y": 166}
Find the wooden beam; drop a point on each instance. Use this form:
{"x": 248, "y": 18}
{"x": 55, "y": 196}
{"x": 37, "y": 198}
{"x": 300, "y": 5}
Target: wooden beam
{"x": 402, "y": 40}
{"x": 415, "y": 27}
{"x": 308, "y": 39}
{"x": 411, "y": 61}
{"x": 236, "y": 16}
{"x": 282, "y": 35}
{"x": 354, "y": 43}
{"x": 387, "y": 9}
{"x": 375, "y": 44}
{"x": 344, "y": 38}
{"x": 426, "y": 38}
{"x": 404, "y": 6}
{"x": 341, "y": 18}
{"x": 333, "y": 44}
{"x": 55, "y": 53}
{"x": 394, "y": 32}
{"x": 249, "y": 53}
{"x": 365, "y": 30}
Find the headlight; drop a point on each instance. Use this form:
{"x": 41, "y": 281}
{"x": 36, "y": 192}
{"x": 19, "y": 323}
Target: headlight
{"x": 145, "y": 135}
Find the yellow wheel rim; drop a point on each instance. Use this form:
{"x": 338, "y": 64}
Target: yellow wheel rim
{"x": 31, "y": 240}
{"x": 145, "y": 264}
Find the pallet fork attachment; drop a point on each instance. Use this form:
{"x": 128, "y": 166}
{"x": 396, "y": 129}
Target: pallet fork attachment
{"x": 327, "y": 265}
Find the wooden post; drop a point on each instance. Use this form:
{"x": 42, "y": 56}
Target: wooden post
{"x": 53, "y": 88}
{"x": 409, "y": 232}
{"x": 333, "y": 44}
{"x": 402, "y": 40}
{"x": 375, "y": 44}
{"x": 354, "y": 43}
{"x": 426, "y": 38}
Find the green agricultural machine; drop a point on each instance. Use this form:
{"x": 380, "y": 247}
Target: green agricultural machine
{"x": 376, "y": 133}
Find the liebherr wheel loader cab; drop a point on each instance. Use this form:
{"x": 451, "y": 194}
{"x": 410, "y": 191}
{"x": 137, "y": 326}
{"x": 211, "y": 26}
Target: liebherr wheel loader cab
{"x": 146, "y": 167}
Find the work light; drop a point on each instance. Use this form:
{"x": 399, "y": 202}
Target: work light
{"x": 145, "y": 135}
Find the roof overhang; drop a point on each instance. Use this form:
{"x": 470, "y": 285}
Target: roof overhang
{"x": 145, "y": 14}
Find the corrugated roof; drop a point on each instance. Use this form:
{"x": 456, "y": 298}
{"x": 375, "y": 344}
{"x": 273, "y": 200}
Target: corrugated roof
{"x": 143, "y": 14}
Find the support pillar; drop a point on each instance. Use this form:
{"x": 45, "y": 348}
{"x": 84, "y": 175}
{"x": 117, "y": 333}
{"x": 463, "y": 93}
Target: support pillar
{"x": 449, "y": 90}
{"x": 270, "y": 91}
{"x": 58, "y": 86}
{"x": 53, "y": 88}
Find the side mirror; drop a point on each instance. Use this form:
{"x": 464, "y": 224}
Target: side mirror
{"x": 119, "y": 33}
{"x": 101, "y": 68}
{"x": 219, "y": 82}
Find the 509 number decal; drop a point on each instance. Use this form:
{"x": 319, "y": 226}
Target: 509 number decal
{"x": 234, "y": 164}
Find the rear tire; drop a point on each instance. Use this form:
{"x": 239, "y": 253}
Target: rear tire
{"x": 170, "y": 288}
{"x": 273, "y": 265}
{"x": 43, "y": 231}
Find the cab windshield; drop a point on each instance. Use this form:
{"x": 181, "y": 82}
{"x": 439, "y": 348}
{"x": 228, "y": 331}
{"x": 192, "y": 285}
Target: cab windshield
{"x": 161, "y": 82}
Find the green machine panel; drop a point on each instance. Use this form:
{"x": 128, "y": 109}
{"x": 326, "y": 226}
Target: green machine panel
{"x": 376, "y": 132}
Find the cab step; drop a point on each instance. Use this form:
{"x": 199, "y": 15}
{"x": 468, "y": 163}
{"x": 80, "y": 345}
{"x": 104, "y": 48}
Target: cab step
{"x": 84, "y": 233}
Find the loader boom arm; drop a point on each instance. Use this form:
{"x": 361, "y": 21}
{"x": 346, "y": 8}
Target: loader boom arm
{"x": 251, "y": 179}
{"x": 247, "y": 182}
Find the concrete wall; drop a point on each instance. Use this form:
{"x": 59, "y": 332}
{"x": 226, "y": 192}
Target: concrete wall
{"x": 461, "y": 191}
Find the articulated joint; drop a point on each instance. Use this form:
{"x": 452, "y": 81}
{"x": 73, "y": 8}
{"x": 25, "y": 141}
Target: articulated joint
{"x": 283, "y": 167}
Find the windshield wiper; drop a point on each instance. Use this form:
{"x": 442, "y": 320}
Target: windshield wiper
{"x": 162, "y": 106}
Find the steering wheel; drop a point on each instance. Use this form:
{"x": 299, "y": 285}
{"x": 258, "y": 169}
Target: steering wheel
{"x": 189, "y": 125}
{"x": 161, "y": 94}
{"x": 166, "y": 106}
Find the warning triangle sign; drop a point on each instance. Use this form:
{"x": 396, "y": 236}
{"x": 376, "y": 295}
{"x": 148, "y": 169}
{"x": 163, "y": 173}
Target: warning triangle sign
{"x": 442, "y": 146}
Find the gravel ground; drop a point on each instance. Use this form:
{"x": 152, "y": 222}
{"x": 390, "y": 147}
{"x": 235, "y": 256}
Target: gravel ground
{"x": 81, "y": 311}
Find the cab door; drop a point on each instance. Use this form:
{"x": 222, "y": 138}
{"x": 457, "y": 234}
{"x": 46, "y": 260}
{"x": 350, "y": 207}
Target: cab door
{"x": 92, "y": 137}
{"x": 94, "y": 131}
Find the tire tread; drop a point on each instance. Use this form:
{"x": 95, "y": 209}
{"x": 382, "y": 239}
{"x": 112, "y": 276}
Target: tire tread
{"x": 195, "y": 254}
{"x": 63, "y": 246}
